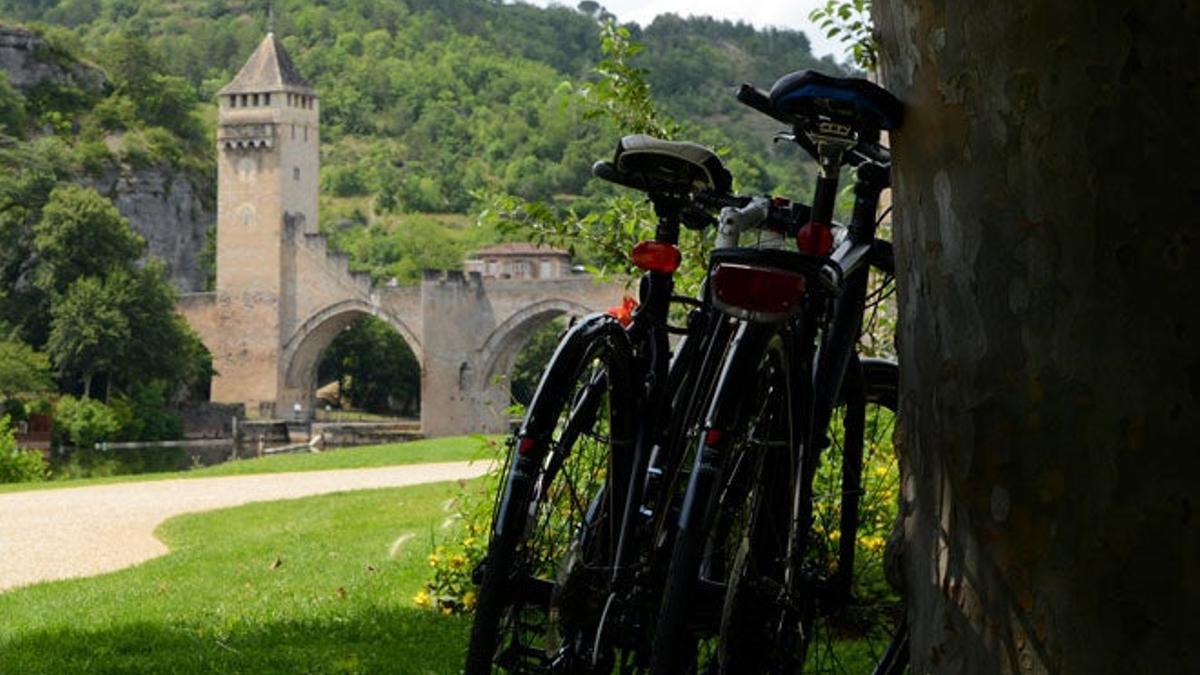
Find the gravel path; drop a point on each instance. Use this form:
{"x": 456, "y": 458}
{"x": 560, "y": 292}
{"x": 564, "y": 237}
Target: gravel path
{"x": 72, "y": 532}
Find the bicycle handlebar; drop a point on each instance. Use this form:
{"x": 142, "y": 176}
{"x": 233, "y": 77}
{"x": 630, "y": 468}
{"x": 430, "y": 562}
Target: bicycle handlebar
{"x": 758, "y": 99}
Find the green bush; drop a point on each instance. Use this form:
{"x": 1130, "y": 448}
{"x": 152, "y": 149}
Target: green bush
{"x": 144, "y": 416}
{"x": 116, "y": 113}
{"x": 83, "y": 422}
{"x": 15, "y": 410}
{"x": 17, "y": 465}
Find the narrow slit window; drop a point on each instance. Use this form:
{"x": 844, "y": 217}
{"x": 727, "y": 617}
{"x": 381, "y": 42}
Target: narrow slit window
{"x": 295, "y": 173}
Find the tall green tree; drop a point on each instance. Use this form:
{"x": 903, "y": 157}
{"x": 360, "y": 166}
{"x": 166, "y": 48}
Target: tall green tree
{"x": 81, "y": 234}
{"x": 89, "y": 333}
{"x": 28, "y": 173}
{"x": 162, "y": 346}
{"x": 23, "y": 369}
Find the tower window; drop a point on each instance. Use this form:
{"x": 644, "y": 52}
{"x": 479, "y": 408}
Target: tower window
{"x": 295, "y": 173}
{"x": 232, "y": 101}
{"x": 245, "y": 100}
{"x": 254, "y": 100}
{"x": 266, "y": 99}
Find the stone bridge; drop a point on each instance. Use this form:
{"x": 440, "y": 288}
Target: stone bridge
{"x": 281, "y": 297}
{"x": 465, "y": 331}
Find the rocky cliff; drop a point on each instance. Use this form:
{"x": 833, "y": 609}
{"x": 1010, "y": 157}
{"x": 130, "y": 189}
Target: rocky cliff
{"x": 163, "y": 205}
{"x": 30, "y": 61}
{"x": 169, "y": 207}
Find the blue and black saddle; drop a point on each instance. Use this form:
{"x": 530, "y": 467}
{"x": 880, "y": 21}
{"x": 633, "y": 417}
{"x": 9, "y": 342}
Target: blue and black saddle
{"x": 805, "y": 92}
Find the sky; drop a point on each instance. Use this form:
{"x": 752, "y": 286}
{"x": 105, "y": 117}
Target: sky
{"x": 761, "y": 13}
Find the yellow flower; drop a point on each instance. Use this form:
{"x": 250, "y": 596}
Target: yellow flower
{"x": 873, "y": 542}
{"x": 469, "y": 542}
{"x": 469, "y": 599}
{"x": 447, "y": 610}
{"x": 422, "y": 599}
{"x": 434, "y": 560}
{"x": 458, "y": 561}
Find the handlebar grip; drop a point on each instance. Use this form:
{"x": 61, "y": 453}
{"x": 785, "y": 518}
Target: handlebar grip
{"x": 758, "y": 99}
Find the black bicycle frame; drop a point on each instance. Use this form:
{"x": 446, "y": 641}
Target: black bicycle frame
{"x": 643, "y": 377}
{"x": 842, "y": 331}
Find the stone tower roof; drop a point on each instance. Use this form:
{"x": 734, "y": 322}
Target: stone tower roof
{"x": 269, "y": 68}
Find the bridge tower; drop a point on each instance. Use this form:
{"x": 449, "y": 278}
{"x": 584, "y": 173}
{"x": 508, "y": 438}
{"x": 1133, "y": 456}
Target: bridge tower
{"x": 267, "y": 164}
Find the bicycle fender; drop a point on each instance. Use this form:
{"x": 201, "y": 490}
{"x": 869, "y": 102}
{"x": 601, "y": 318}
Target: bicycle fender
{"x": 583, "y": 340}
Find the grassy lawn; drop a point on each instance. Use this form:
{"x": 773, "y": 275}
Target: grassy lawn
{"x": 316, "y": 585}
{"x": 455, "y": 449}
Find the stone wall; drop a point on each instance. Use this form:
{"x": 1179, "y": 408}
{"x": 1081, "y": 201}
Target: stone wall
{"x": 210, "y": 420}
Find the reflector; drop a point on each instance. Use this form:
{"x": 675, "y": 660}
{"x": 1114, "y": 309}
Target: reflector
{"x": 655, "y": 256}
{"x": 527, "y": 443}
{"x": 765, "y": 292}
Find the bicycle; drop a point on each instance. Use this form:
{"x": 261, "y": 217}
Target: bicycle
{"x": 747, "y": 529}
{"x": 600, "y": 422}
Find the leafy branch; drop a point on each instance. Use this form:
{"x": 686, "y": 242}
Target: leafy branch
{"x": 849, "y": 22}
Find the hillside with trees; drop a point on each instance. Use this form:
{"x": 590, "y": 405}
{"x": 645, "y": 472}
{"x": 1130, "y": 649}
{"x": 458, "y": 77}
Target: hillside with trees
{"x": 429, "y": 107}
{"x": 431, "y": 111}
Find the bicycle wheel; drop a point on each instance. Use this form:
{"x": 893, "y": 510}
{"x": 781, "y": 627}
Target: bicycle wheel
{"x": 747, "y": 415}
{"x": 848, "y": 616}
{"x": 543, "y": 581}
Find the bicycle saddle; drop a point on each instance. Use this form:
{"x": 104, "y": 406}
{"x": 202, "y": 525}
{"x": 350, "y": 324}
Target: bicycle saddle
{"x": 676, "y": 167}
{"x": 806, "y": 92}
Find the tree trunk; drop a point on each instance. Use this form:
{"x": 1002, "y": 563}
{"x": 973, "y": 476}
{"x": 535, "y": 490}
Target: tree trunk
{"x": 1050, "y": 328}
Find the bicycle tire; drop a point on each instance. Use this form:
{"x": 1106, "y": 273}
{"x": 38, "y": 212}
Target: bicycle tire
{"x": 571, "y": 445}
{"x": 868, "y": 633}
{"x": 689, "y": 609}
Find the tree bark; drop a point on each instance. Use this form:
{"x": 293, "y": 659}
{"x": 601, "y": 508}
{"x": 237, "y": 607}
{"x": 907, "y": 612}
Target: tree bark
{"x": 1046, "y": 201}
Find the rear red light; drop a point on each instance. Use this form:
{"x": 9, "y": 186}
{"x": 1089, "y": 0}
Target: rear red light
{"x": 815, "y": 239}
{"x": 655, "y": 256}
{"x": 527, "y": 443}
{"x": 762, "y": 293}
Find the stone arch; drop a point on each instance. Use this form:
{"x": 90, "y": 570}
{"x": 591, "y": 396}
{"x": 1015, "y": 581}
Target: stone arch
{"x": 500, "y": 349}
{"x": 302, "y": 352}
